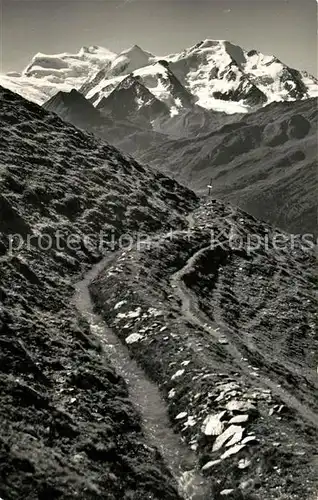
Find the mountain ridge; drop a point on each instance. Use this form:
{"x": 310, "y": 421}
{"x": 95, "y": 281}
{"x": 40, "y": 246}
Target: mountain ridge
{"x": 217, "y": 74}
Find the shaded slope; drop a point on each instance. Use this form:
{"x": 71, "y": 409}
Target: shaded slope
{"x": 132, "y": 101}
{"x": 68, "y": 428}
{"x": 74, "y": 108}
{"x": 130, "y": 135}
{"x": 264, "y": 162}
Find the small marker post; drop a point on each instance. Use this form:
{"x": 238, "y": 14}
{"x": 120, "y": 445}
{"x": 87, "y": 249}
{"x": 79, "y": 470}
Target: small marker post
{"x": 210, "y": 188}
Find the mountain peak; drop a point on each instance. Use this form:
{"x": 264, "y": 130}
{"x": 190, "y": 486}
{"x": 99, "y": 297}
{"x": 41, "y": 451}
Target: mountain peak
{"x": 213, "y": 71}
{"x": 131, "y": 99}
{"x": 128, "y": 82}
{"x": 96, "y": 50}
{"x": 136, "y": 49}
{"x": 72, "y": 106}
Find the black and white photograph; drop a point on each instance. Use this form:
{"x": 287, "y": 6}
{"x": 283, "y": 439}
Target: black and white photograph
{"x": 158, "y": 250}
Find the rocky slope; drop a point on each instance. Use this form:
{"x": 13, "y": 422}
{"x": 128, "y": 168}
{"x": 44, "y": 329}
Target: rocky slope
{"x": 264, "y": 162}
{"x": 68, "y": 427}
{"x": 227, "y": 329}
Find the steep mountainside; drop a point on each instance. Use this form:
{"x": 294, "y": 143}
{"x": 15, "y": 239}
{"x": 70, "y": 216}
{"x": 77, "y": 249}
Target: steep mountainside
{"x": 68, "y": 427}
{"x": 157, "y": 78}
{"x": 264, "y": 162}
{"x": 74, "y": 108}
{"x": 132, "y": 101}
{"x": 124, "y": 64}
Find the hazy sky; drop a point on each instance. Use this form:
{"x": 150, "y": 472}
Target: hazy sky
{"x": 286, "y": 28}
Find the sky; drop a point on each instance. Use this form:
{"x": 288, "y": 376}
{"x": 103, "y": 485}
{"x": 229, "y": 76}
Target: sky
{"x": 285, "y": 28}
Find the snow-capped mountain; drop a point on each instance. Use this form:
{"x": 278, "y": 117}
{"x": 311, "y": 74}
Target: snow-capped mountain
{"x": 214, "y": 74}
{"x": 123, "y": 64}
{"x": 215, "y": 70}
{"x": 157, "y": 78}
{"x": 48, "y": 74}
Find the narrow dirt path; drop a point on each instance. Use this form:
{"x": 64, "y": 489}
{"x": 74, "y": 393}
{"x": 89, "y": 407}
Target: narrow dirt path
{"x": 144, "y": 394}
{"x": 194, "y": 315}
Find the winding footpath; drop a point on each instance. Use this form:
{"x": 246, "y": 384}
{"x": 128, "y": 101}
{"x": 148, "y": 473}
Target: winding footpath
{"x": 194, "y": 315}
{"x": 144, "y": 394}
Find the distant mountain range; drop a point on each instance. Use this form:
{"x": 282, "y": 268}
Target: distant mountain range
{"x": 213, "y": 74}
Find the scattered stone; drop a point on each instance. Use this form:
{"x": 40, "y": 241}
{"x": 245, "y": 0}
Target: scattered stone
{"x": 250, "y": 439}
{"x": 210, "y": 464}
{"x": 172, "y": 393}
{"x": 185, "y": 363}
{"x": 190, "y": 422}
{"x": 181, "y": 415}
{"x": 130, "y": 314}
{"x": 220, "y": 397}
{"x": 223, "y": 341}
{"x": 236, "y": 438}
{"x": 232, "y": 451}
{"x": 120, "y": 304}
{"x": 239, "y": 419}
{"x": 240, "y": 406}
{"x": 178, "y": 374}
{"x": 227, "y": 434}
{"x": 244, "y": 463}
{"x": 224, "y": 493}
{"x": 230, "y": 386}
{"x": 134, "y": 337}
{"x": 213, "y": 424}
{"x": 154, "y": 312}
